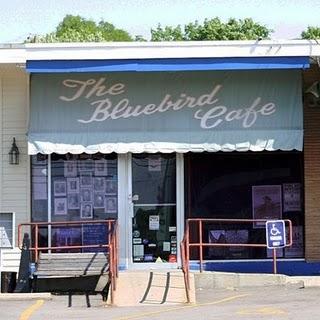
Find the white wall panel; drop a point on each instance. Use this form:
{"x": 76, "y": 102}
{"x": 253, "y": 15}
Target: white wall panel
{"x": 14, "y": 179}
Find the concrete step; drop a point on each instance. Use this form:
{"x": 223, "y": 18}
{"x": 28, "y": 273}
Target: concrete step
{"x": 152, "y": 287}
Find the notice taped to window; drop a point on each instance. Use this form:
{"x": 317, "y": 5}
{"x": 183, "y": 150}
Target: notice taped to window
{"x": 291, "y": 197}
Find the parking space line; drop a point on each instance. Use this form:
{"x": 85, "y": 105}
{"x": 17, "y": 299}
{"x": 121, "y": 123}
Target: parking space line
{"x": 146, "y": 314}
{"x": 25, "y": 315}
{"x": 263, "y": 311}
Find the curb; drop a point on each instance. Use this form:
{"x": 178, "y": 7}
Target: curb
{"x": 308, "y": 281}
{"x": 25, "y": 296}
{"x": 213, "y": 280}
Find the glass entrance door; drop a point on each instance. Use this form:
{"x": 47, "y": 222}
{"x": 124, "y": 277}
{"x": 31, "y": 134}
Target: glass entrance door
{"x": 154, "y": 223}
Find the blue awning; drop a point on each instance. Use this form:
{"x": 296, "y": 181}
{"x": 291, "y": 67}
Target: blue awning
{"x": 181, "y": 64}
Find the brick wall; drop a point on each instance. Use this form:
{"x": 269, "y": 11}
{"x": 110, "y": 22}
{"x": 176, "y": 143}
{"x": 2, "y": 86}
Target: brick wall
{"x": 312, "y": 169}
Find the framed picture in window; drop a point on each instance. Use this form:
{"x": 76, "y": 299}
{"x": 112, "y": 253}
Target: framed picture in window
{"x": 73, "y": 201}
{"x": 111, "y": 187}
{"x": 99, "y": 184}
{"x": 86, "y": 211}
{"x": 99, "y": 200}
{"x": 111, "y": 205}
{"x": 73, "y": 185}
{"x": 100, "y": 168}
{"x": 70, "y": 168}
{"x": 86, "y": 165}
{"x": 85, "y": 179}
{"x": 59, "y": 188}
{"x": 60, "y": 206}
{"x": 86, "y": 194}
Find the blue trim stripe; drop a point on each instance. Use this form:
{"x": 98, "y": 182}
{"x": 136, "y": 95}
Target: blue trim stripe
{"x": 289, "y": 267}
{"x": 151, "y": 65}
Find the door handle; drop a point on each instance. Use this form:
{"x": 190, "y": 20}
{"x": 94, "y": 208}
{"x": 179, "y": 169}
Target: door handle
{"x": 135, "y": 197}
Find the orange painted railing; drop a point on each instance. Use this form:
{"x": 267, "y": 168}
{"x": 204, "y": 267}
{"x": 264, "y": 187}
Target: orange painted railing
{"x": 111, "y": 243}
{"x": 199, "y": 224}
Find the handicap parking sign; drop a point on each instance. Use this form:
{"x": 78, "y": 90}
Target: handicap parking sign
{"x": 275, "y": 234}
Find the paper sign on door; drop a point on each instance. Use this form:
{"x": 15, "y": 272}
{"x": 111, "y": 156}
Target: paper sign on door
{"x": 154, "y": 222}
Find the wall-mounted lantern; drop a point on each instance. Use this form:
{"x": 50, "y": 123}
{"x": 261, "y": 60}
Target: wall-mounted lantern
{"x": 14, "y": 153}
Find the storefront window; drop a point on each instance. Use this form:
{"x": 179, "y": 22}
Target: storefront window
{"x": 39, "y": 178}
{"x": 266, "y": 185}
{"x": 83, "y": 188}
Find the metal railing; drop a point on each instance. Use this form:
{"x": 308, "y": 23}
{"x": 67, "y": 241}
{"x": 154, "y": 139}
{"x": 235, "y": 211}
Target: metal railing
{"x": 199, "y": 223}
{"x": 110, "y": 245}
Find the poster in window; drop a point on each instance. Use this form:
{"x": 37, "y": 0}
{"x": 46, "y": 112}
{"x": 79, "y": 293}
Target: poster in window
{"x": 86, "y": 210}
{"x": 85, "y": 179}
{"x": 67, "y": 236}
{"x": 111, "y": 205}
{"x": 111, "y": 187}
{"x": 296, "y": 250}
{"x": 59, "y": 188}
{"x": 73, "y": 201}
{"x": 291, "y": 197}
{"x": 100, "y": 168}
{"x": 70, "y": 169}
{"x": 73, "y": 185}
{"x": 60, "y": 206}
{"x": 94, "y": 234}
{"x": 266, "y": 203}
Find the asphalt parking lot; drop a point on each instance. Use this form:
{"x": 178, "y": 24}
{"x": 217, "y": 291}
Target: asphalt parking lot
{"x": 252, "y": 303}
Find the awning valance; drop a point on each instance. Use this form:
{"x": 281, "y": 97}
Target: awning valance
{"x": 151, "y": 65}
{"x": 166, "y": 112}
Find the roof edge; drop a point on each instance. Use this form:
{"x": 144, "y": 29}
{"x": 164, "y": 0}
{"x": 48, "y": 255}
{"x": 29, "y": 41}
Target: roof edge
{"x": 20, "y": 53}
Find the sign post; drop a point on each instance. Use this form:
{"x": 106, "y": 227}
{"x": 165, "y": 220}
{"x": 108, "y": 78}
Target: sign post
{"x": 276, "y": 238}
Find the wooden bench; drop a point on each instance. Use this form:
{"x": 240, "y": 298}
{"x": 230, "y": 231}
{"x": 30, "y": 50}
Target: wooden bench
{"x": 71, "y": 273}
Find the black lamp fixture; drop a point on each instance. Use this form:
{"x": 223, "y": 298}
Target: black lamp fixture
{"x": 14, "y": 153}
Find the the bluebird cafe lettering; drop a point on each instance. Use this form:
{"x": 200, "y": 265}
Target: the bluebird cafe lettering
{"x": 211, "y": 117}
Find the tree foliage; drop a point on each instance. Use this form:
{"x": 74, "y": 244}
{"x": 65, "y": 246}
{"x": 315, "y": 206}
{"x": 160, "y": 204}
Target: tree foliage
{"x": 213, "y": 29}
{"x": 78, "y": 29}
{"x": 311, "y": 33}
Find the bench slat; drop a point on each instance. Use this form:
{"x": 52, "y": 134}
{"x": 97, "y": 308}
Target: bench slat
{"x": 104, "y": 268}
{"x": 67, "y": 269}
{"x": 72, "y": 255}
{"x": 64, "y": 262}
{"x": 42, "y": 274}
